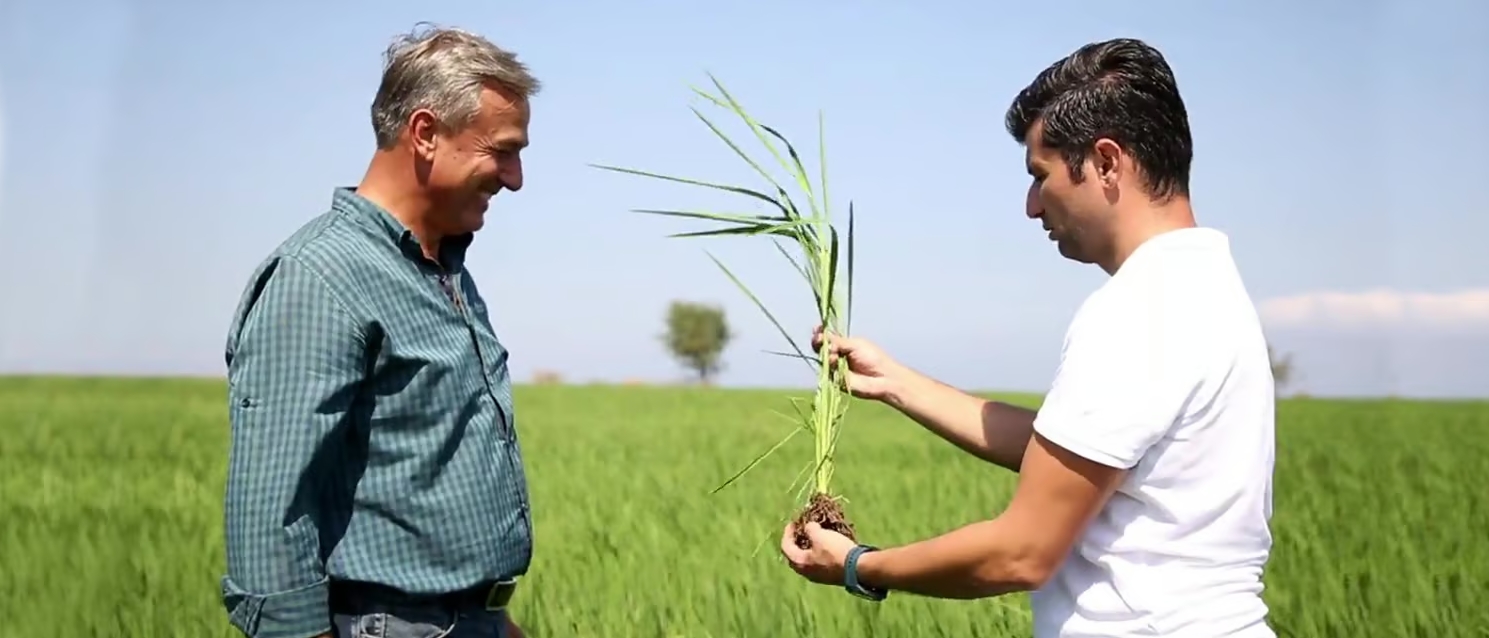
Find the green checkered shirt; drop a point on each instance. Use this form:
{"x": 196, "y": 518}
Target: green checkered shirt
{"x": 372, "y": 430}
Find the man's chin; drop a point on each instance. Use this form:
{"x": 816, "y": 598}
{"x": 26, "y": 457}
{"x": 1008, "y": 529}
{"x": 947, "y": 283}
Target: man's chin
{"x": 475, "y": 216}
{"x": 1069, "y": 250}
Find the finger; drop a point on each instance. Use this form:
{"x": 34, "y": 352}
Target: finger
{"x": 840, "y": 344}
{"x": 837, "y": 346}
{"x": 794, "y": 555}
{"x": 821, "y": 536}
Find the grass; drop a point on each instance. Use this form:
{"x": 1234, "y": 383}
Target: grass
{"x": 110, "y": 516}
{"x": 822, "y": 266}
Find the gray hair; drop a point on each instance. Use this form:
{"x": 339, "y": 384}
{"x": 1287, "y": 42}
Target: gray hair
{"x": 444, "y": 70}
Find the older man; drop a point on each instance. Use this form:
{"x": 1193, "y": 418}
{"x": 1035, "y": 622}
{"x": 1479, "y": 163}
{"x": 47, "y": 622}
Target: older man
{"x": 375, "y": 485}
{"x": 1145, "y": 478}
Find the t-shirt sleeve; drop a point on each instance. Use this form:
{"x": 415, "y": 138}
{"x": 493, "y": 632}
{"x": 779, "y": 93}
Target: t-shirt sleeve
{"x": 1124, "y": 380}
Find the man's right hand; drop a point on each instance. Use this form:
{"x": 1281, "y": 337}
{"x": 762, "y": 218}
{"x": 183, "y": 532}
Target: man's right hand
{"x": 990, "y": 430}
{"x": 872, "y": 374}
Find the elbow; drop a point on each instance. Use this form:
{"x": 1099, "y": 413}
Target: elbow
{"x": 1036, "y": 573}
{"x": 1024, "y": 573}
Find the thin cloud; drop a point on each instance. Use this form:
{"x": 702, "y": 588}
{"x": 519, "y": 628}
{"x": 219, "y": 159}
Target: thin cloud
{"x": 1379, "y": 308}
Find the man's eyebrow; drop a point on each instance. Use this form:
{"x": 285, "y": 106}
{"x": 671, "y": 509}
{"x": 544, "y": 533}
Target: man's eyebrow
{"x": 508, "y": 144}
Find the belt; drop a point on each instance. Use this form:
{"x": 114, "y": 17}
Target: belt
{"x": 353, "y": 597}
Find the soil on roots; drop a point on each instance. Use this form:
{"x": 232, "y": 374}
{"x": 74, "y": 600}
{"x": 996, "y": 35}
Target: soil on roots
{"x": 825, "y": 511}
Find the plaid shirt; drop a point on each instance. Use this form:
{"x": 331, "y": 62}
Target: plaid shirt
{"x": 372, "y": 430}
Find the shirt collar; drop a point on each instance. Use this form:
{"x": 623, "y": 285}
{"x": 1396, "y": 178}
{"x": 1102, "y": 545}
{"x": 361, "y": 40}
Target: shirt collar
{"x": 452, "y": 249}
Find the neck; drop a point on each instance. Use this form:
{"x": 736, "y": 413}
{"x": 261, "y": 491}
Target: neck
{"x": 391, "y": 184}
{"x": 1155, "y": 218}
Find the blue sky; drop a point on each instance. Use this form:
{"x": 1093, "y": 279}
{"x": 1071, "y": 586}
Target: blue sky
{"x": 154, "y": 151}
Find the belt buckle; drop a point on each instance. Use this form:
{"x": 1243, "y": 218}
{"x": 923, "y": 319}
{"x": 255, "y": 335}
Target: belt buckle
{"x": 500, "y": 594}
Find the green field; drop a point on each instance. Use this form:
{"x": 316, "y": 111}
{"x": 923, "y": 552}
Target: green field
{"x": 110, "y": 508}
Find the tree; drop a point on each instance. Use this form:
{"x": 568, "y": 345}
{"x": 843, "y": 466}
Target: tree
{"x": 1282, "y": 369}
{"x": 696, "y": 336}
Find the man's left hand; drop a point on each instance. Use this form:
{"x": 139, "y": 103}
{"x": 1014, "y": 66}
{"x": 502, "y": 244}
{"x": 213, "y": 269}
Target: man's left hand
{"x": 513, "y": 631}
{"x": 823, "y": 562}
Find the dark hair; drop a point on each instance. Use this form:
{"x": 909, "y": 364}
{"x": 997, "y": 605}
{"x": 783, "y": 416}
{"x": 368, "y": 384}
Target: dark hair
{"x": 1121, "y": 89}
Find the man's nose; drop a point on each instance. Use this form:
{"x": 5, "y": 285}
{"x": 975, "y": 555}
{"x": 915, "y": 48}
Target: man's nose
{"x": 512, "y": 178}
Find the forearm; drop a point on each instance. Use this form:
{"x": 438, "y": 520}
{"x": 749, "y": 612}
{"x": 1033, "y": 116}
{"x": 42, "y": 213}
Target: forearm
{"x": 275, "y": 577}
{"x": 980, "y": 560}
{"x": 993, "y": 431}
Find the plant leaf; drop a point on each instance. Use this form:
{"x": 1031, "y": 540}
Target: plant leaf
{"x": 812, "y": 359}
{"x": 785, "y": 229}
{"x": 718, "y": 217}
{"x": 800, "y": 173}
{"x": 757, "y": 460}
{"x": 756, "y": 127}
{"x": 737, "y": 151}
{"x": 739, "y": 110}
{"x": 683, "y": 180}
{"x": 761, "y": 306}
{"x": 848, "y": 309}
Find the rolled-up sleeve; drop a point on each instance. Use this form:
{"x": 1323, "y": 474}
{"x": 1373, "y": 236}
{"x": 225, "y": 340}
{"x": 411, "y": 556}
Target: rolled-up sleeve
{"x": 295, "y": 358}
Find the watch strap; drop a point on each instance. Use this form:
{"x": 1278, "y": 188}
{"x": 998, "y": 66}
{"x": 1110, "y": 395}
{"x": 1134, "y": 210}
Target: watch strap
{"x": 850, "y": 575}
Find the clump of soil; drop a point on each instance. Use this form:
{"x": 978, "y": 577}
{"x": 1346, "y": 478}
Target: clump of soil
{"x": 825, "y": 511}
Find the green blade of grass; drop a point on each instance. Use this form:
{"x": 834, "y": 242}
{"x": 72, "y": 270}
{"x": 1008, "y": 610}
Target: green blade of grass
{"x": 800, "y": 171}
{"x": 734, "y": 106}
{"x": 757, "y": 460}
{"x": 683, "y": 180}
{"x": 739, "y": 110}
{"x": 758, "y": 304}
{"x": 711, "y": 216}
{"x": 785, "y": 229}
{"x": 805, "y": 274}
{"x": 739, "y": 151}
{"x": 832, "y": 274}
{"x": 848, "y": 295}
{"x": 778, "y": 353}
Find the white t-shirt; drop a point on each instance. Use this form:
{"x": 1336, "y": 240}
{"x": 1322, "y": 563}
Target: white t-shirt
{"x": 1165, "y": 372}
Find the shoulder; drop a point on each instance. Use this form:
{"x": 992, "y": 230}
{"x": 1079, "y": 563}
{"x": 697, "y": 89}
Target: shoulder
{"x": 332, "y": 246}
{"x": 1174, "y": 294}
{"x": 332, "y": 251}
{"x": 318, "y": 261}
{"x": 1141, "y": 348}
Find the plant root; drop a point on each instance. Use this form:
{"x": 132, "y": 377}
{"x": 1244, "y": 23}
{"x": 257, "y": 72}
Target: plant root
{"x": 823, "y": 510}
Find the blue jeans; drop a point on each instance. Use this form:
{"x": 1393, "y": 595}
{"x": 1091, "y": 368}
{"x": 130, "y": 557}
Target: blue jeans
{"x": 417, "y": 624}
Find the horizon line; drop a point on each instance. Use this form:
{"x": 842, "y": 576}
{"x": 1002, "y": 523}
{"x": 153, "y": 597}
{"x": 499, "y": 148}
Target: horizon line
{"x": 643, "y": 384}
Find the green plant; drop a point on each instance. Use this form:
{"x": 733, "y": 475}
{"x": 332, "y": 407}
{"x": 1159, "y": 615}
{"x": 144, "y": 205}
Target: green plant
{"x": 817, "y": 240}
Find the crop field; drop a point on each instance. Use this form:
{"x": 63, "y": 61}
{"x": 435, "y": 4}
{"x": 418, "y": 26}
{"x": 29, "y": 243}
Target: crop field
{"x": 110, "y": 510}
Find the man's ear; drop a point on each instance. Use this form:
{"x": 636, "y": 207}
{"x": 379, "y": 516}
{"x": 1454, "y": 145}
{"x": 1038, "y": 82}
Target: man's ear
{"x": 423, "y": 132}
{"x": 1107, "y": 157}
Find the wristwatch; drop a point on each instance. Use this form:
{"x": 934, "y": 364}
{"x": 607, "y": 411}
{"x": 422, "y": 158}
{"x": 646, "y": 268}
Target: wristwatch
{"x": 850, "y": 576}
